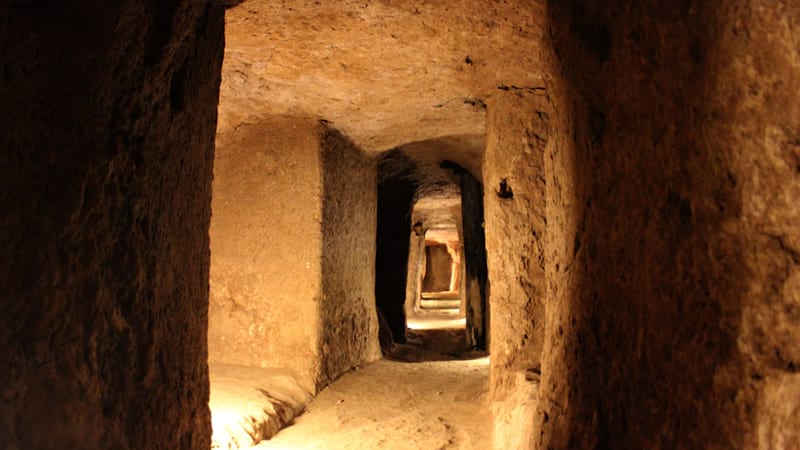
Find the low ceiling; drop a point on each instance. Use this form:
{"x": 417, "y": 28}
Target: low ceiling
{"x": 438, "y": 212}
{"x": 385, "y": 73}
{"x": 466, "y": 151}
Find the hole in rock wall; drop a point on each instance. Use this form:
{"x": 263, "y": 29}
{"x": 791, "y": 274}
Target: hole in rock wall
{"x": 505, "y": 191}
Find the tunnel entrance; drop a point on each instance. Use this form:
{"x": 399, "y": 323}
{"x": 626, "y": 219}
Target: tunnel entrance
{"x": 431, "y": 257}
{"x": 393, "y": 237}
{"x": 437, "y": 270}
{"x": 439, "y": 267}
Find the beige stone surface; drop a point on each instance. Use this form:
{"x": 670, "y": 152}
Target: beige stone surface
{"x": 671, "y": 178}
{"x": 673, "y": 318}
{"x": 416, "y": 253}
{"x": 349, "y": 321}
{"x": 394, "y": 405}
{"x": 516, "y": 228}
{"x": 266, "y": 267}
{"x": 385, "y": 73}
{"x": 249, "y": 404}
{"x": 512, "y": 412}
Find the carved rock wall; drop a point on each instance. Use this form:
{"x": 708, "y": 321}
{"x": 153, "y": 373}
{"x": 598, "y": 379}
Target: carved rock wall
{"x": 266, "y": 247}
{"x": 293, "y": 250}
{"x": 349, "y": 334}
{"x": 385, "y": 73}
{"x": 673, "y": 263}
{"x": 514, "y": 199}
{"x": 108, "y": 115}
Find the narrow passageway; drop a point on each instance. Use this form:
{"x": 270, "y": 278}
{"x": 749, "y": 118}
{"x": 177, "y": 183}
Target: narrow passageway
{"x": 397, "y": 405}
{"x": 428, "y": 394}
{"x": 214, "y": 210}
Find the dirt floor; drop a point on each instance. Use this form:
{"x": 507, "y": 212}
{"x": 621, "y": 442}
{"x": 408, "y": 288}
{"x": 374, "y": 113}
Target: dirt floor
{"x": 429, "y": 395}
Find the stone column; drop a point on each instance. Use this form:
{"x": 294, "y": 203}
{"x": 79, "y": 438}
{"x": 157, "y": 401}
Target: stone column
{"x": 513, "y": 172}
{"x": 108, "y": 115}
{"x": 293, "y": 251}
{"x": 416, "y": 253}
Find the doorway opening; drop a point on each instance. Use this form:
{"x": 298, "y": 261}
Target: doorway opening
{"x": 431, "y": 259}
{"x": 439, "y": 268}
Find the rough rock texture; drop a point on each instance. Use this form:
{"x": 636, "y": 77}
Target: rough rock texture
{"x": 385, "y": 73}
{"x": 266, "y": 247}
{"x": 465, "y": 151}
{"x": 674, "y": 260}
{"x": 512, "y": 413}
{"x": 438, "y": 265}
{"x": 349, "y": 220}
{"x": 421, "y": 405}
{"x": 671, "y": 255}
{"x": 474, "y": 284}
{"x": 514, "y": 199}
{"x": 108, "y": 115}
{"x": 293, "y": 250}
{"x": 416, "y": 255}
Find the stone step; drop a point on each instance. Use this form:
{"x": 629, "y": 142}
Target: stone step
{"x": 440, "y": 304}
{"x": 441, "y": 295}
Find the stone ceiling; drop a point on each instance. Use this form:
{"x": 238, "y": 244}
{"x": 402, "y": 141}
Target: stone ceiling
{"x": 385, "y": 73}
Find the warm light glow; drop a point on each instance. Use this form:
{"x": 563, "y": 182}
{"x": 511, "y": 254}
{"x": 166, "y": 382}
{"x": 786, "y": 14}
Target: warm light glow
{"x": 417, "y": 323}
{"x": 249, "y": 404}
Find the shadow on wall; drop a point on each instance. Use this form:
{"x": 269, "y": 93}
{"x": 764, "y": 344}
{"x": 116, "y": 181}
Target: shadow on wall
{"x": 396, "y": 189}
{"x": 665, "y": 325}
{"x": 349, "y": 330}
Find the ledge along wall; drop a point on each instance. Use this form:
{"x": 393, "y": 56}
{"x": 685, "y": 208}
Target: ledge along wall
{"x": 292, "y": 245}
{"x": 108, "y": 113}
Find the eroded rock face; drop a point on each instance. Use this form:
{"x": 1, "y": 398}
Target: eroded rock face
{"x": 674, "y": 317}
{"x": 474, "y": 284}
{"x": 384, "y": 73}
{"x": 515, "y": 217}
{"x": 108, "y": 115}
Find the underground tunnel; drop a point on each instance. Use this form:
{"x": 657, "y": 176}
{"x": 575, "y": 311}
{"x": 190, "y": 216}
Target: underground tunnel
{"x": 217, "y": 215}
